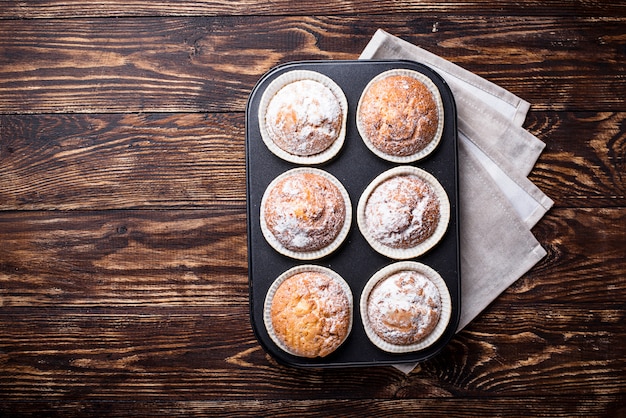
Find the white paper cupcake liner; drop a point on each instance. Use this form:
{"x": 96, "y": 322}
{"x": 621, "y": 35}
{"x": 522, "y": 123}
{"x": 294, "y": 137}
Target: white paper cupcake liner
{"x": 308, "y": 255}
{"x": 428, "y": 243}
{"x": 405, "y": 159}
{"x": 267, "y": 306}
{"x": 274, "y": 87}
{"x": 444, "y": 317}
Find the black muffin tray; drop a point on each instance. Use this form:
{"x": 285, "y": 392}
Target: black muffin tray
{"x": 355, "y": 166}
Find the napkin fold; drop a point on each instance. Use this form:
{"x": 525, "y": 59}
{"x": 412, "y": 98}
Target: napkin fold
{"x": 498, "y": 203}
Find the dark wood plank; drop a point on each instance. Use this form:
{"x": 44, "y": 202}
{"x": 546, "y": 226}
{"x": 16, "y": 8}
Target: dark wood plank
{"x": 110, "y": 161}
{"x": 581, "y": 244}
{"x": 139, "y": 258}
{"x": 80, "y": 8}
{"x": 523, "y": 406}
{"x": 583, "y": 163}
{"x": 189, "y": 352}
{"x": 122, "y": 161}
{"x": 132, "y": 258}
{"x": 198, "y": 65}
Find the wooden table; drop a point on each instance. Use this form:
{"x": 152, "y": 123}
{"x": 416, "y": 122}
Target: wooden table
{"x": 123, "y": 274}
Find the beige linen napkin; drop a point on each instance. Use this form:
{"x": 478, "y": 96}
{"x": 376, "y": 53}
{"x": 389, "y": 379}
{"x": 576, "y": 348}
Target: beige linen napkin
{"x": 498, "y": 203}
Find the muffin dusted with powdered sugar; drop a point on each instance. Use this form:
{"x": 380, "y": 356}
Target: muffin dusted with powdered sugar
{"x": 404, "y": 308}
{"x": 308, "y": 311}
{"x": 403, "y": 212}
{"x": 305, "y": 213}
{"x": 400, "y": 115}
{"x": 302, "y": 117}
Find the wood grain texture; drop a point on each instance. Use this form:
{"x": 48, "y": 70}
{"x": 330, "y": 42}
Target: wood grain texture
{"x": 139, "y": 301}
{"x": 585, "y": 260}
{"x": 610, "y": 406}
{"x": 123, "y": 258}
{"x": 122, "y": 161}
{"x": 197, "y": 65}
{"x": 176, "y": 352}
{"x": 198, "y": 257}
{"x": 109, "y": 353}
{"x": 197, "y": 160}
{"x": 12, "y": 9}
{"x": 585, "y": 158}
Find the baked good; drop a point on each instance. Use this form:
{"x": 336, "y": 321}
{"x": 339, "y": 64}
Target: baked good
{"x": 302, "y": 116}
{"x": 404, "y": 308}
{"x": 403, "y": 212}
{"x": 309, "y": 311}
{"x": 305, "y": 213}
{"x": 400, "y": 115}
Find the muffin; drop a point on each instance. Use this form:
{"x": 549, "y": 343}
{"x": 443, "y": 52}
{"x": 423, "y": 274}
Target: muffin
{"x": 302, "y": 116}
{"x": 308, "y": 311}
{"x": 403, "y": 213}
{"x": 400, "y": 116}
{"x": 405, "y": 307}
{"x": 305, "y": 213}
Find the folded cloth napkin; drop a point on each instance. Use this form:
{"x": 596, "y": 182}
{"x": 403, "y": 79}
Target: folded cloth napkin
{"x": 498, "y": 203}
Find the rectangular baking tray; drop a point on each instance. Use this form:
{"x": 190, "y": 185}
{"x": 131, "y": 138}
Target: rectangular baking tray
{"x": 355, "y": 166}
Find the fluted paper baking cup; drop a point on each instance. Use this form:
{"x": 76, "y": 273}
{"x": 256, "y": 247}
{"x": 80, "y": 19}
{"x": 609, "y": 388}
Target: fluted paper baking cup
{"x": 432, "y": 145}
{"x": 444, "y": 317}
{"x": 273, "y": 88}
{"x": 428, "y": 243}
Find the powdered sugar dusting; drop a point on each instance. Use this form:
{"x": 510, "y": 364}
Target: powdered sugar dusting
{"x": 402, "y": 211}
{"x": 404, "y": 308}
{"x": 304, "y": 117}
{"x": 305, "y": 212}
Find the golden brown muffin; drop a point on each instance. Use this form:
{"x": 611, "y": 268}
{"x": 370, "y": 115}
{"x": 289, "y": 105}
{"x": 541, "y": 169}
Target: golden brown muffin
{"x": 398, "y": 115}
{"x": 402, "y": 212}
{"x": 404, "y": 308}
{"x": 304, "y": 211}
{"x": 311, "y": 314}
{"x": 304, "y": 118}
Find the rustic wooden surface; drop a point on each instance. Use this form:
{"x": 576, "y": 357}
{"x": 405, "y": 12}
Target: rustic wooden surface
{"x": 123, "y": 275}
